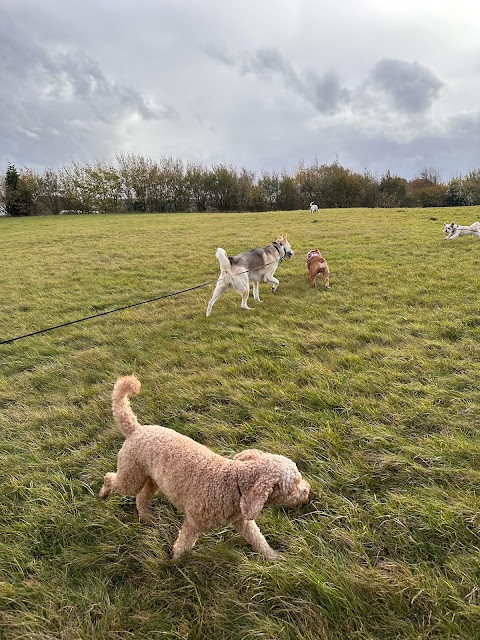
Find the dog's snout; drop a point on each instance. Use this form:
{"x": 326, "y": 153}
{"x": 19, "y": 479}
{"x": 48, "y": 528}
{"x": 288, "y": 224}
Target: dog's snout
{"x": 305, "y": 489}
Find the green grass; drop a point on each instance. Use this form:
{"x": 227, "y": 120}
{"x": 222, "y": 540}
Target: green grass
{"x": 371, "y": 387}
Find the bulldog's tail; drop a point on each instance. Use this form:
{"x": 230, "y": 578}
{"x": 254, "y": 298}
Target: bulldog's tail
{"x": 122, "y": 411}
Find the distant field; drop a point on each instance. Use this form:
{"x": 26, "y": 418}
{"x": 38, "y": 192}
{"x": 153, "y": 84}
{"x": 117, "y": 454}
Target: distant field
{"x": 371, "y": 387}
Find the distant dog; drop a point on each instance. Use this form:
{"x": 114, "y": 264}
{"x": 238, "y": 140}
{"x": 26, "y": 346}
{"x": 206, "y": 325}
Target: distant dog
{"x": 313, "y": 207}
{"x": 257, "y": 265}
{"x": 316, "y": 264}
{"x": 456, "y": 230}
{"x": 212, "y": 491}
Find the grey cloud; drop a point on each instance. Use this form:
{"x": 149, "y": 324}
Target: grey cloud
{"x": 264, "y": 61}
{"x": 466, "y": 124}
{"x": 219, "y": 54}
{"x": 262, "y": 98}
{"x": 451, "y": 150}
{"x": 412, "y": 87}
{"x": 82, "y": 76}
{"x": 59, "y": 103}
{"x": 328, "y": 95}
{"x": 324, "y": 92}
{"x": 16, "y": 57}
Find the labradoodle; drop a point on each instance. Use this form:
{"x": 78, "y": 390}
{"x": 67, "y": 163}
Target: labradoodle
{"x": 211, "y": 490}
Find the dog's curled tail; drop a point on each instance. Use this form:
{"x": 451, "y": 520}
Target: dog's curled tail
{"x": 476, "y": 226}
{"x": 225, "y": 265}
{"x": 221, "y": 256}
{"x": 122, "y": 411}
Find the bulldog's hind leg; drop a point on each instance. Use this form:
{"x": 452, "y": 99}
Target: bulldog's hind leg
{"x": 326, "y": 277}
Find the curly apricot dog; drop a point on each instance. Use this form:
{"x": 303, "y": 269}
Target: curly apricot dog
{"x": 211, "y": 490}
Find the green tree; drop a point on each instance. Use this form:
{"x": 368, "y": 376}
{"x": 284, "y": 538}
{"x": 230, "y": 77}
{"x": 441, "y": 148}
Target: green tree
{"x": 456, "y": 195}
{"x": 427, "y": 190}
{"x": 288, "y": 195}
{"x": 340, "y": 187}
{"x": 18, "y": 197}
{"x": 471, "y": 186}
{"x": 48, "y": 200}
{"x": 223, "y": 188}
{"x": 196, "y": 186}
{"x": 309, "y": 181}
{"x": 393, "y": 191}
{"x": 269, "y": 185}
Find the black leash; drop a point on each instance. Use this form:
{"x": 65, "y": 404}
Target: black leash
{"x": 105, "y": 313}
{"x": 128, "y": 306}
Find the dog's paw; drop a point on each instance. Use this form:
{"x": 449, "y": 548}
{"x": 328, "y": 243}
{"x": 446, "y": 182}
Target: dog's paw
{"x": 146, "y": 517}
{"x": 273, "y": 556}
{"x": 107, "y": 486}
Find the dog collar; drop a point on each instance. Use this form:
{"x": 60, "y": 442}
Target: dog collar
{"x": 278, "y": 247}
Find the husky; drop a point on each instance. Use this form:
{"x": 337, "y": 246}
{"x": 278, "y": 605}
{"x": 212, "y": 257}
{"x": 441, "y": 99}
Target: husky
{"x": 257, "y": 265}
{"x": 456, "y": 230}
{"x": 313, "y": 207}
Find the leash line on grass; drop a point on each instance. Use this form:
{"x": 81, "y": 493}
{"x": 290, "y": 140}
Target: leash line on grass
{"x": 105, "y": 313}
{"x": 128, "y": 306}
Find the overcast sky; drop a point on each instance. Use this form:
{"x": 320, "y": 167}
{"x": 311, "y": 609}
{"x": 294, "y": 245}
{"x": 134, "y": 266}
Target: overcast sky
{"x": 259, "y": 84}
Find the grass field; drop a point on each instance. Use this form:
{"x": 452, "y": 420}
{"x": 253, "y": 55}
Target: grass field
{"x": 371, "y": 387}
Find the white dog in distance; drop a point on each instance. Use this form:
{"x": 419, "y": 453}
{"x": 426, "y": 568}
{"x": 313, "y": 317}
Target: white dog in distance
{"x": 457, "y": 230}
{"x": 313, "y": 207}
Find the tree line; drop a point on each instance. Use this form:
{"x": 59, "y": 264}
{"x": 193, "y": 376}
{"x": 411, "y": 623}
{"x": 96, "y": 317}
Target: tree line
{"x": 135, "y": 183}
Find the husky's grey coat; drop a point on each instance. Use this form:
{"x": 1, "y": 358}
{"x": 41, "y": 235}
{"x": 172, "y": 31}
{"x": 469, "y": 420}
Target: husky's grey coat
{"x": 257, "y": 265}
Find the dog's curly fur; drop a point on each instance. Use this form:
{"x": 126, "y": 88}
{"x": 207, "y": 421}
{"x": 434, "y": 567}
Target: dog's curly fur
{"x": 211, "y": 490}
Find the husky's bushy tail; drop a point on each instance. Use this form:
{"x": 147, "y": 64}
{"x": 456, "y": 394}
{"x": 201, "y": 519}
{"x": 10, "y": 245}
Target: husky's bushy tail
{"x": 475, "y": 226}
{"x": 225, "y": 265}
{"x": 122, "y": 411}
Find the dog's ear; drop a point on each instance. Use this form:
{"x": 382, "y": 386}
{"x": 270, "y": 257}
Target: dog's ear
{"x": 248, "y": 454}
{"x": 254, "y": 498}
{"x": 280, "y": 238}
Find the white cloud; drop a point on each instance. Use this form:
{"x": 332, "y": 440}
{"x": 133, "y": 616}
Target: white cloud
{"x": 255, "y": 84}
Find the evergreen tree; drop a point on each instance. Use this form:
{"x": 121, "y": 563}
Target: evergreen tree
{"x": 19, "y": 199}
